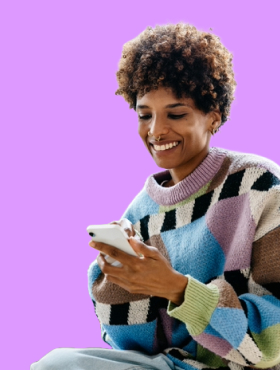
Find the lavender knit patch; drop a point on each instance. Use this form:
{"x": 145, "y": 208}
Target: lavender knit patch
{"x": 231, "y": 224}
{"x": 219, "y": 346}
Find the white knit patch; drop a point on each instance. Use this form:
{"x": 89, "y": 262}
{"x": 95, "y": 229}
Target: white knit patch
{"x": 250, "y": 176}
{"x": 249, "y": 350}
{"x": 184, "y": 214}
{"x": 197, "y": 365}
{"x": 235, "y": 356}
{"x": 103, "y": 311}
{"x": 257, "y": 203}
{"x": 216, "y": 193}
{"x": 246, "y": 272}
{"x": 155, "y": 224}
{"x": 269, "y": 218}
{"x": 257, "y": 289}
{"x": 138, "y": 312}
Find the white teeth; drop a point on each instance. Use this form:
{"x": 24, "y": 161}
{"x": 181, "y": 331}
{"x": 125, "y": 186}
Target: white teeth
{"x": 165, "y": 147}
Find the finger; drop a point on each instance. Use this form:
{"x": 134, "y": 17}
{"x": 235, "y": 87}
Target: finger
{"x": 113, "y": 252}
{"x": 106, "y": 267}
{"x": 127, "y": 226}
{"x": 142, "y": 249}
{"x": 115, "y": 223}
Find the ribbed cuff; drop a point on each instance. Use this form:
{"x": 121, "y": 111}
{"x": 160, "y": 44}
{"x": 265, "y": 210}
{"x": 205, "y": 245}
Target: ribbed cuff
{"x": 198, "y": 306}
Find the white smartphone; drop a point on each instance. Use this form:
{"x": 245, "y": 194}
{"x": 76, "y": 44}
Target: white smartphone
{"x": 113, "y": 235}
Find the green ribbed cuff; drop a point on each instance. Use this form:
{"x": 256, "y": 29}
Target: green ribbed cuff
{"x": 198, "y": 306}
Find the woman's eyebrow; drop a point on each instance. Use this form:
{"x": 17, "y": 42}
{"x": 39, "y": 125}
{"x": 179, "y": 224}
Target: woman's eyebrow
{"x": 175, "y": 105}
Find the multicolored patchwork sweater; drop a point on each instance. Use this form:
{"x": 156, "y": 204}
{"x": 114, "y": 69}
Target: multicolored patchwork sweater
{"x": 220, "y": 226}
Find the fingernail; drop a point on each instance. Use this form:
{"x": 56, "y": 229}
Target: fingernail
{"x": 92, "y": 244}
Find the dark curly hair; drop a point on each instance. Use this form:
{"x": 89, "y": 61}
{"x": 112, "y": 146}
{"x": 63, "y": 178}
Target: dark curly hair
{"x": 192, "y": 63}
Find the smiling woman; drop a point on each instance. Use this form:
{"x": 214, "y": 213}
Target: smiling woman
{"x": 205, "y": 289}
{"x": 166, "y": 121}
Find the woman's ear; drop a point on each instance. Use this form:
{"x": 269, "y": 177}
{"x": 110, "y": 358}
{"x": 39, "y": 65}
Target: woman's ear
{"x": 216, "y": 119}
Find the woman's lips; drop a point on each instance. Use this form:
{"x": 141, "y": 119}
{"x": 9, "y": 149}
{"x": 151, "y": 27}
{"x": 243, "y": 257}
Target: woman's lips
{"x": 163, "y": 148}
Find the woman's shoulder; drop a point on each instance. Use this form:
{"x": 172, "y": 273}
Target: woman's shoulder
{"x": 239, "y": 161}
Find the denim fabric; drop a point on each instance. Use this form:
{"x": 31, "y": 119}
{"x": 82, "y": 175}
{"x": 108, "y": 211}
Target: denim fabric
{"x": 101, "y": 359}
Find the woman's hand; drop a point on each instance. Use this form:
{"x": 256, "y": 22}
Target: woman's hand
{"x": 151, "y": 274}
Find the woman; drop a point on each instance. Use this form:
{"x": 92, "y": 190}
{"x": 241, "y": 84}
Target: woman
{"x": 205, "y": 291}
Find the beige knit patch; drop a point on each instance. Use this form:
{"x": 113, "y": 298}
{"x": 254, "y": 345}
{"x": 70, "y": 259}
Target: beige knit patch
{"x": 138, "y": 312}
{"x": 257, "y": 289}
{"x": 239, "y": 162}
{"x": 155, "y": 224}
{"x": 184, "y": 214}
{"x": 103, "y": 312}
{"x": 236, "y": 357}
{"x": 137, "y": 226}
{"x": 265, "y": 207}
{"x": 197, "y": 365}
{"x": 109, "y": 293}
{"x": 249, "y": 178}
{"x": 266, "y": 258}
{"x": 249, "y": 350}
{"x": 246, "y": 272}
{"x": 228, "y": 296}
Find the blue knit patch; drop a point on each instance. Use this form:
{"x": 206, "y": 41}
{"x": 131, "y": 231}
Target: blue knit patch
{"x": 133, "y": 337}
{"x": 193, "y": 250}
{"x": 219, "y": 322}
{"x": 262, "y": 311}
{"x": 179, "y": 333}
{"x": 209, "y": 330}
{"x": 142, "y": 206}
{"x": 93, "y": 273}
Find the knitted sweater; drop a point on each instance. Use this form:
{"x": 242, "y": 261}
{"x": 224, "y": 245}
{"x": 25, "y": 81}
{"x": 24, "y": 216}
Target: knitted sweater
{"x": 220, "y": 226}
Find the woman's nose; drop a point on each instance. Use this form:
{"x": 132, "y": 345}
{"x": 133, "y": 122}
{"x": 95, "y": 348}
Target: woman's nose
{"x": 158, "y": 127}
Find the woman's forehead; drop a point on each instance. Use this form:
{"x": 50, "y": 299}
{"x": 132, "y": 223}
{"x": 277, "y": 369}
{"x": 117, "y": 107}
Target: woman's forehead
{"x": 164, "y": 97}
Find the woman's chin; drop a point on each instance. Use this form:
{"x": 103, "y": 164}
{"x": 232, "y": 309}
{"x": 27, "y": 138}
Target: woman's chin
{"x": 168, "y": 165}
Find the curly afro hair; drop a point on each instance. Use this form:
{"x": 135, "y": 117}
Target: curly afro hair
{"x": 192, "y": 63}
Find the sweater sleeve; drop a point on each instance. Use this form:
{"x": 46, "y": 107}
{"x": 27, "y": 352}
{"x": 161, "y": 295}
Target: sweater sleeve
{"x": 243, "y": 328}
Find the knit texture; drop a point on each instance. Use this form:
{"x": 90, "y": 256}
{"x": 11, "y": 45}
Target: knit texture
{"x": 220, "y": 227}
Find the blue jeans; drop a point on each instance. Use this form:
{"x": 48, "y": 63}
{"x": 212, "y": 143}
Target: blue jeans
{"x": 101, "y": 359}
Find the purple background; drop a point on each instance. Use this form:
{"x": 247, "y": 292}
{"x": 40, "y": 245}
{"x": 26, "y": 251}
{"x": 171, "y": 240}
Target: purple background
{"x": 70, "y": 152}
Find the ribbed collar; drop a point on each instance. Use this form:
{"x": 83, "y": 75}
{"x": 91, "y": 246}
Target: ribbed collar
{"x": 190, "y": 184}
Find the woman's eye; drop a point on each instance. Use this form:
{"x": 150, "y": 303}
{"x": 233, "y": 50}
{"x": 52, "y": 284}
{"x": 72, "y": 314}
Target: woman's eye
{"x": 176, "y": 116}
{"x": 172, "y": 116}
{"x": 144, "y": 117}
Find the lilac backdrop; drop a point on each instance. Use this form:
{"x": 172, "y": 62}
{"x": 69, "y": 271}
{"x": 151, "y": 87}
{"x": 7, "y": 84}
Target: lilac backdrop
{"x": 70, "y": 153}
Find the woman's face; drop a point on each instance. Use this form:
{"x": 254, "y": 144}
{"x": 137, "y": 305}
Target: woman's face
{"x": 184, "y": 130}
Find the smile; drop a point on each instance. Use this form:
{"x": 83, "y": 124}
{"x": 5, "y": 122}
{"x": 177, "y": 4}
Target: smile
{"x": 166, "y": 146}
